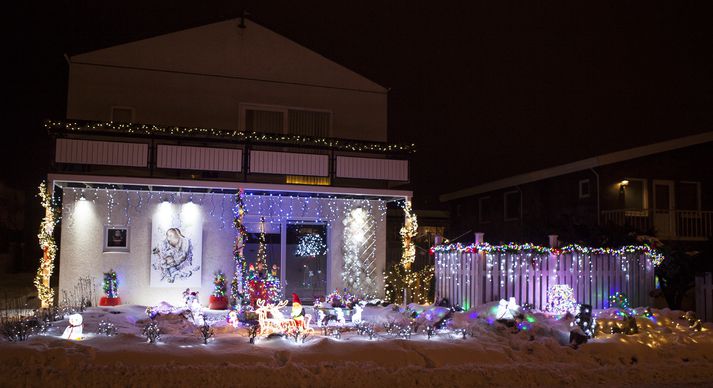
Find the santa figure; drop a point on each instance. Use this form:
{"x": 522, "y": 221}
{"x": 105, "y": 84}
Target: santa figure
{"x": 74, "y": 330}
{"x": 298, "y": 312}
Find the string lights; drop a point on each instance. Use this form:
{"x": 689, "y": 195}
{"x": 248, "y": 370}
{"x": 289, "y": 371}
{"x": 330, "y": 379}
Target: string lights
{"x": 237, "y": 285}
{"x": 360, "y": 252}
{"x": 277, "y": 207}
{"x": 310, "y": 245}
{"x": 233, "y": 135}
{"x": 515, "y": 248}
{"x": 408, "y": 232}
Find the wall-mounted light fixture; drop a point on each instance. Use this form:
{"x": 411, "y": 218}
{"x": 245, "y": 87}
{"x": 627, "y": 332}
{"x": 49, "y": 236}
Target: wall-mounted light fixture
{"x": 622, "y": 185}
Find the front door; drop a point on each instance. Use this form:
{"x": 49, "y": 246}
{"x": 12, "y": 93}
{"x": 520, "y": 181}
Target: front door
{"x": 305, "y": 267}
{"x": 664, "y": 220}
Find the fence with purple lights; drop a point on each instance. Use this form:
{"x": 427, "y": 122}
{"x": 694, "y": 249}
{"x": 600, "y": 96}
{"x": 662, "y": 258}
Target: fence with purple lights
{"x": 471, "y": 275}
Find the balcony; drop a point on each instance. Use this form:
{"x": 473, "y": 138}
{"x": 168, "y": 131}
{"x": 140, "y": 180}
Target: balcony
{"x": 141, "y": 150}
{"x": 667, "y": 224}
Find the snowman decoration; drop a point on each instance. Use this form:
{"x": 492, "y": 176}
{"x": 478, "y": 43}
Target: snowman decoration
{"x": 74, "y": 330}
{"x": 507, "y": 309}
{"x": 356, "y": 317}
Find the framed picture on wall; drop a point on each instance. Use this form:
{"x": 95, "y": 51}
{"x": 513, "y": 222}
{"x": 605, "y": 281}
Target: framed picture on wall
{"x": 116, "y": 238}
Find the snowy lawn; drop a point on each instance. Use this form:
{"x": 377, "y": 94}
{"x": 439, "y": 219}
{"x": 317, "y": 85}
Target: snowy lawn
{"x": 664, "y": 352}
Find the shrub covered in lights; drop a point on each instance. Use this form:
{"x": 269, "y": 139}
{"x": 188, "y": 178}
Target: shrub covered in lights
{"x": 560, "y": 300}
{"x": 584, "y": 320}
{"x": 619, "y": 300}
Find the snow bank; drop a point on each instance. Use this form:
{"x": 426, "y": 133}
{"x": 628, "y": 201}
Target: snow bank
{"x": 665, "y": 351}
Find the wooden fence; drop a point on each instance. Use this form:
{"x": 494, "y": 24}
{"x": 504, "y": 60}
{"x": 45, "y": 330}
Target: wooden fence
{"x": 470, "y": 279}
{"x": 704, "y": 296}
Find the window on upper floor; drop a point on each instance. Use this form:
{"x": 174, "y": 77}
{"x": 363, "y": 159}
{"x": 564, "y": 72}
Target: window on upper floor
{"x": 295, "y": 121}
{"x": 689, "y": 196}
{"x": 584, "y": 188}
{"x": 122, "y": 114}
{"x": 485, "y": 210}
{"x": 512, "y": 202}
{"x": 635, "y": 194}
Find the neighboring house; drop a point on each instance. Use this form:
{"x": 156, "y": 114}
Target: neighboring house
{"x": 162, "y": 133}
{"x": 664, "y": 188}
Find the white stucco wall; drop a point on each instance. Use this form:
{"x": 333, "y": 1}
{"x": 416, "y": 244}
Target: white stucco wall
{"x": 81, "y": 249}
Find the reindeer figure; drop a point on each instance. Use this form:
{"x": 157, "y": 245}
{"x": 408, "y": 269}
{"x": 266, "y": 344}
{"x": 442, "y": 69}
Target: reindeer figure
{"x": 273, "y": 322}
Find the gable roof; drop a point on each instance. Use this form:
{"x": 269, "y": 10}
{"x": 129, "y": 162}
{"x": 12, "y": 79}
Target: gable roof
{"x": 224, "y": 49}
{"x": 584, "y": 164}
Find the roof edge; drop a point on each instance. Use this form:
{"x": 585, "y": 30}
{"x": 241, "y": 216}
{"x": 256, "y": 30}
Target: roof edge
{"x": 567, "y": 168}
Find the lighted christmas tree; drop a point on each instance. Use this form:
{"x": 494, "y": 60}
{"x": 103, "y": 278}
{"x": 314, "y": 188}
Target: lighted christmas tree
{"x": 263, "y": 284}
{"x": 217, "y": 300}
{"x": 111, "y": 284}
{"x": 219, "y": 285}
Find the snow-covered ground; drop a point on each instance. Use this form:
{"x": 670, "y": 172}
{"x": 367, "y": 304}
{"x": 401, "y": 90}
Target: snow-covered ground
{"x": 664, "y": 352}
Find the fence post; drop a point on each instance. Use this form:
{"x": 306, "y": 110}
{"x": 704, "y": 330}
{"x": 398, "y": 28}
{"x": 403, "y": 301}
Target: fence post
{"x": 704, "y": 296}
{"x": 554, "y": 243}
{"x": 479, "y": 238}
{"x": 437, "y": 239}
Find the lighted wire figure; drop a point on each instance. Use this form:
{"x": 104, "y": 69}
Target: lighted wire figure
{"x": 311, "y": 245}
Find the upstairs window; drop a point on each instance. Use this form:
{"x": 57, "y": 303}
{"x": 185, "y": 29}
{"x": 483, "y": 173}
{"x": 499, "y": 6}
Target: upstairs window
{"x": 584, "y": 188}
{"x": 635, "y": 194}
{"x": 511, "y": 200}
{"x": 273, "y": 119}
{"x": 485, "y": 210}
{"x": 267, "y": 121}
{"x": 689, "y": 196}
{"x": 122, "y": 114}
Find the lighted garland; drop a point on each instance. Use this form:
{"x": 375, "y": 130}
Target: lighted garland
{"x": 655, "y": 256}
{"x": 249, "y": 136}
{"x": 310, "y": 245}
{"x": 49, "y": 247}
{"x": 110, "y": 284}
{"x": 408, "y": 232}
{"x": 238, "y": 283}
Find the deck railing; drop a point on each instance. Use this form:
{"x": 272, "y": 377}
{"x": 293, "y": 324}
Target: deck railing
{"x": 670, "y": 224}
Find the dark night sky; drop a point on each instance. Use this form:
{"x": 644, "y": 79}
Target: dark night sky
{"x": 485, "y": 89}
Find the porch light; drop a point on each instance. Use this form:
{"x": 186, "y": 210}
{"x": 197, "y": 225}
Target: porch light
{"x": 624, "y": 183}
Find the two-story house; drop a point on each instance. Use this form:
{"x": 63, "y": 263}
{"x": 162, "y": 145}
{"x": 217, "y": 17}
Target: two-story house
{"x": 162, "y": 133}
{"x": 663, "y": 189}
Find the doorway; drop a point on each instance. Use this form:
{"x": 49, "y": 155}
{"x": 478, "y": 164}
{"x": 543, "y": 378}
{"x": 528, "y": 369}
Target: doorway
{"x": 305, "y": 265}
{"x": 664, "y": 217}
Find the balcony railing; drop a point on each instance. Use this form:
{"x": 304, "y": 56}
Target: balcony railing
{"x": 665, "y": 223}
{"x": 148, "y": 150}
